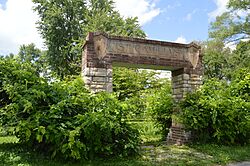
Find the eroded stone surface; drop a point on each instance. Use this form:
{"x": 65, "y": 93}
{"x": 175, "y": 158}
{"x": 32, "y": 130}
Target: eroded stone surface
{"x": 104, "y": 45}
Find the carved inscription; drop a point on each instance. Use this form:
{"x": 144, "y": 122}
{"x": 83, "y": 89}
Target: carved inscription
{"x": 104, "y": 46}
{"x": 139, "y": 49}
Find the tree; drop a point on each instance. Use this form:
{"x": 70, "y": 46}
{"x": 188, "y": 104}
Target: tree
{"x": 216, "y": 60}
{"x": 61, "y": 27}
{"x": 37, "y": 58}
{"x": 221, "y": 62}
{"x": 29, "y": 53}
{"x": 233, "y": 25}
{"x": 239, "y": 4}
{"x": 129, "y": 82}
{"x": 242, "y": 54}
{"x": 101, "y": 16}
{"x": 64, "y": 25}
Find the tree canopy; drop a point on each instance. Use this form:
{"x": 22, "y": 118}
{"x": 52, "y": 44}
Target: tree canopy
{"x": 233, "y": 25}
{"x": 64, "y": 25}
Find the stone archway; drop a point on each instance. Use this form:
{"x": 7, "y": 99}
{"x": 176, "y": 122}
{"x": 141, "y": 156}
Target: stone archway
{"x": 102, "y": 51}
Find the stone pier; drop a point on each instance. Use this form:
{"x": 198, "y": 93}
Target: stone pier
{"x": 181, "y": 85}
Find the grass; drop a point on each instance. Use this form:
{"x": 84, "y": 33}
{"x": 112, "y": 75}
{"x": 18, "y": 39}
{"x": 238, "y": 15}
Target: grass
{"x": 148, "y": 131}
{"x": 14, "y": 154}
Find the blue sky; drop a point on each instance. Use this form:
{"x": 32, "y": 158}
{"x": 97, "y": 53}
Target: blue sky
{"x": 2, "y": 2}
{"x": 169, "y": 20}
{"x": 184, "y": 18}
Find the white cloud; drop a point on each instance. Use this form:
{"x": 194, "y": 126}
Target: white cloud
{"x": 242, "y": 13}
{"x": 221, "y": 8}
{"x": 231, "y": 45}
{"x": 189, "y": 16}
{"x": 18, "y": 26}
{"x": 145, "y": 10}
{"x": 18, "y": 20}
{"x": 181, "y": 39}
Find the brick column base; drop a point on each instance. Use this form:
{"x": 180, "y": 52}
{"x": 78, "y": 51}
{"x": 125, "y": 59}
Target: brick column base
{"x": 177, "y": 135}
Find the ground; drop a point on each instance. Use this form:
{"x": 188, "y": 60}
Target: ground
{"x": 14, "y": 154}
{"x": 246, "y": 163}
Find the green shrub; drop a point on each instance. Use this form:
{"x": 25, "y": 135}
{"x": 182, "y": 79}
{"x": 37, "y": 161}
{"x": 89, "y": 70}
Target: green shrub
{"x": 160, "y": 104}
{"x": 220, "y": 111}
{"x": 148, "y": 97}
{"x": 62, "y": 118}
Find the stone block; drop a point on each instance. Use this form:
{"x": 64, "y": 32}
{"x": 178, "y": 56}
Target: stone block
{"x": 87, "y": 80}
{"x": 177, "y": 124}
{"x": 109, "y": 87}
{"x": 177, "y": 96}
{"x": 177, "y": 91}
{"x": 97, "y": 90}
{"x": 86, "y": 71}
{"x": 195, "y": 83}
{"x": 99, "y": 79}
{"x": 195, "y": 79}
{"x": 98, "y": 73}
{"x": 177, "y": 78}
{"x": 195, "y": 76}
{"x": 101, "y": 70}
{"x": 185, "y": 86}
{"x": 109, "y": 79}
{"x": 98, "y": 83}
{"x": 98, "y": 86}
{"x": 186, "y": 76}
{"x": 186, "y": 90}
{"x": 109, "y": 72}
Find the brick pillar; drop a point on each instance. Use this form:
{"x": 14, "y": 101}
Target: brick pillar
{"x": 98, "y": 79}
{"x": 96, "y": 72}
{"x": 181, "y": 85}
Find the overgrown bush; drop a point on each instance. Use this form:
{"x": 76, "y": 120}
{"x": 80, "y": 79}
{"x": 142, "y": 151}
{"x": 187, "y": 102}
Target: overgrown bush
{"x": 148, "y": 97}
{"x": 160, "y": 106}
{"x": 62, "y": 118}
{"x": 220, "y": 111}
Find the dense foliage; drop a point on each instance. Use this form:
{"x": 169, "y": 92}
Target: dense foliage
{"x": 148, "y": 97}
{"x": 220, "y": 111}
{"x": 62, "y": 118}
{"x": 132, "y": 86}
{"x": 161, "y": 107}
